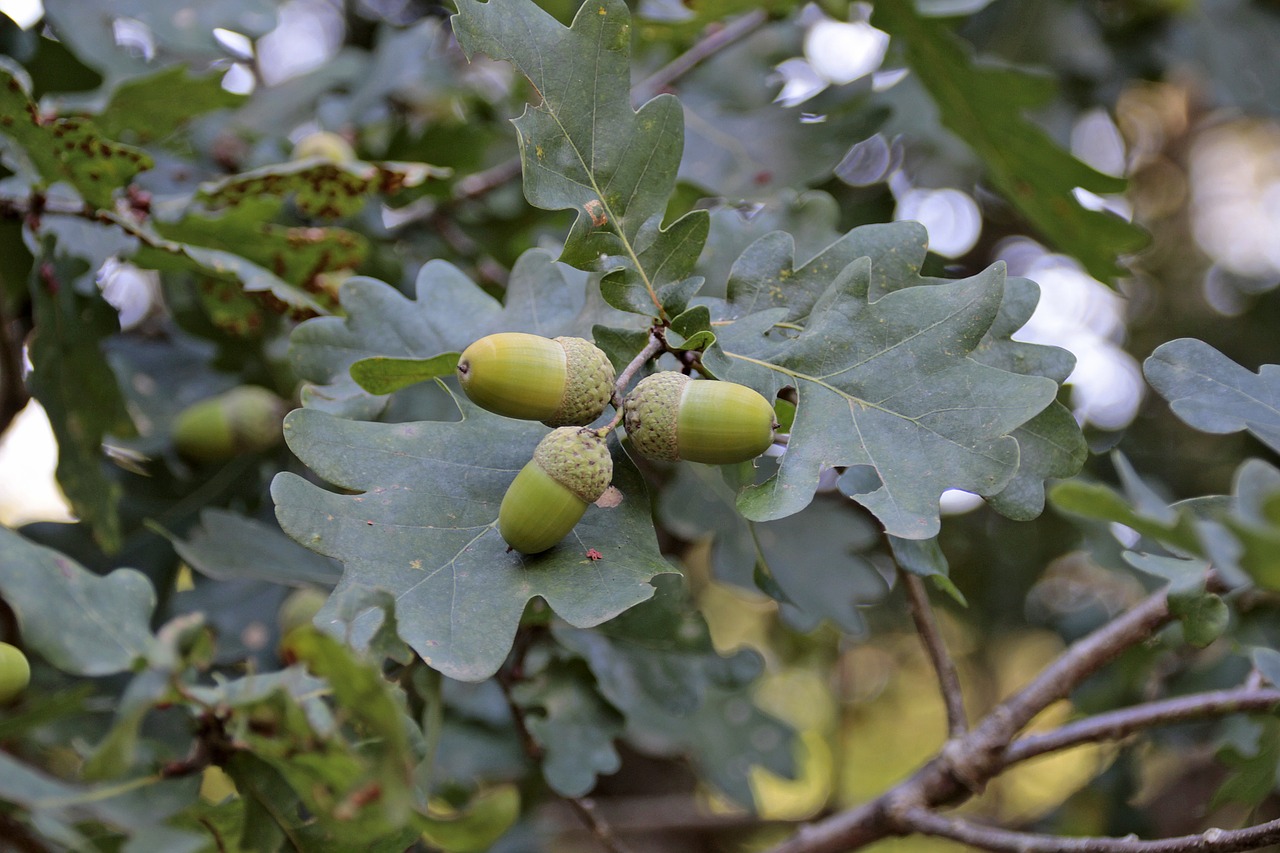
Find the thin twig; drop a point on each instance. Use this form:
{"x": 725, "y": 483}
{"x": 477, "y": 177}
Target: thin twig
{"x": 711, "y": 44}
{"x": 928, "y": 822}
{"x": 1119, "y": 724}
{"x": 586, "y": 809}
{"x": 966, "y": 764}
{"x": 943, "y": 666}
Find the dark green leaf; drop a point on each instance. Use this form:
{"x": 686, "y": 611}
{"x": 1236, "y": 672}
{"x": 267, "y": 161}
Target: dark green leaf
{"x": 81, "y": 623}
{"x": 449, "y": 312}
{"x": 584, "y": 148}
{"x": 1214, "y": 394}
{"x": 229, "y": 546}
{"x": 884, "y": 385}
{"x": 572, "y": 724}
{"x": 74, "y": 383}
{"x": 658, "y": 652}
{"x": 983, "y": 105}
{"x": 422, "y": 525}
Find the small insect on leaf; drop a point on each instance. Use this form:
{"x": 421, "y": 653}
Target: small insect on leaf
{"x": 593, "y": 555}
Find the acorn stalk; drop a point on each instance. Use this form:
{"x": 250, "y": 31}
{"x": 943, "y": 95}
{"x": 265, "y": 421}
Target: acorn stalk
{"x": 562, "y": 381}
{"x": 570, "y": 469}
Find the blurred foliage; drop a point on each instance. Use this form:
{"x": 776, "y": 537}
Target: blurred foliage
{"x": 731, "y": 638}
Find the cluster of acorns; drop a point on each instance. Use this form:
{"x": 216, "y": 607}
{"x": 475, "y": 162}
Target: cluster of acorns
{"x": 566, "y": 383}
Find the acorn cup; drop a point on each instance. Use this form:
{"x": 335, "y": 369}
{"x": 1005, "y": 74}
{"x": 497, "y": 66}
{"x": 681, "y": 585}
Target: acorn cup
{"x": 243, "y": 420}
{"x": 559, "y": 381}
{"x": 671, "y": 417}
{"x": 570, "y": 469}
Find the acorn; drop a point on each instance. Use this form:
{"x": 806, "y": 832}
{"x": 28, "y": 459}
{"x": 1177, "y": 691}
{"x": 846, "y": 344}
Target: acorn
{"x": 670, "y": 416}
{"x": 559, "y": 381}
{"x": 15, "y": 672}
{"x": 243, "y": 420}
{"x": 323, "y": 145}
{"x": 570, "y": 469}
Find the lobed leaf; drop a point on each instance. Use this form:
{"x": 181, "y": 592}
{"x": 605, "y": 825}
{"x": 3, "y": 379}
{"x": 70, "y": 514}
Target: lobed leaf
{"x": 584, "y": 148}
{"x": 1214, "y": 394}
{"x": 73, "y": 150}
{"x": 889, "y": 371}
{"x": 983, "y": 105}
{"x": 448, "y": 313}
{"x": 422, "y": 525}
{"x": 82, "y": 623}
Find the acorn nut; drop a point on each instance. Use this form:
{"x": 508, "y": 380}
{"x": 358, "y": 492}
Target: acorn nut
{"x": 570, "y": 469}
{"x": 243, "y": 420}
{"x": 670, "y": 416}
{"x": 15, "y": 672}
{"x": 559, "y": 381}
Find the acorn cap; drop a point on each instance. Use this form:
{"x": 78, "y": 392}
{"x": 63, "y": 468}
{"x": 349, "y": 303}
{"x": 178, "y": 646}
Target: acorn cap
{"x": 589, "y": 386}
{"x": 650, "y": 414}
{"x": 577, "y": 459}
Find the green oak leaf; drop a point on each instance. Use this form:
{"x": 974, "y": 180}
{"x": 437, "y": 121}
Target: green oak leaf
{"x": 76, "y": 386}
{"x": 448, "y": 313}
{"x": 296, "y": 254}
{"x": 82, "y": 623}
{"x": 153, "y": 106}
{"x": 1214, "y": 394}
{"x": 320, "y": 188}
{"x": 574, "y": 726}
{"x": 885, "y": 377}
{"x": 659, "y": 652}
{"x": 137, "y": 810}
{"x": 229, "y": 546}
{"x": 70, "y": 149}
{"x": 983, "y": 105}
{"x": 422, "y": 525}
{"x": 383, "y": 375}
{"x": 584, "y": 148}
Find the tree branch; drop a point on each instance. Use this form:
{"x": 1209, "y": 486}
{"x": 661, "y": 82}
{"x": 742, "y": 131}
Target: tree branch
{"x": 927, "y": 822}
{"x": 711, "y": 44}
{"x": 1115, "y": 725}
{"x": 966, "y": 764}
{"x": 943, "y": 665}
{"x": 586, "y": 809}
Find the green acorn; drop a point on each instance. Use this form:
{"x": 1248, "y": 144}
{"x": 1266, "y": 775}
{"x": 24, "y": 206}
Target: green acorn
{"x": 570, "y": 469}
{"x": 15, "y": 672}
{"x": 243, "y": 420}
{"x": 672, "y": 417}
{"x": 559, "y": 381}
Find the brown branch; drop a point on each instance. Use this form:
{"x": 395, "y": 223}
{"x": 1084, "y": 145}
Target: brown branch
{"x": 943, "y": 665}
{"x": 1115, "y": 725}
{"x": 586, "y": 809}
{"x": 715, "y": 41}
{"x": 928, "y": 822}
{"x": 966, "y": 764}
